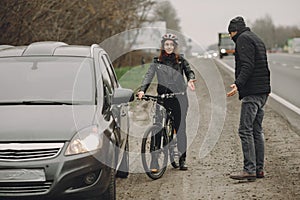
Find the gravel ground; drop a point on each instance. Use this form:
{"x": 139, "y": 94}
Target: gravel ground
{"x": 208, "y": 176}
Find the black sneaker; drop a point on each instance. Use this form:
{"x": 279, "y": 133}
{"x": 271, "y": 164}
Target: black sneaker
{"x": 260, "y": 174}
{"x": 183, "y": 166}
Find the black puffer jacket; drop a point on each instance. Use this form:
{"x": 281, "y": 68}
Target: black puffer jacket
{"x": 252, "y": 74}
{"x": 169, "y": 74}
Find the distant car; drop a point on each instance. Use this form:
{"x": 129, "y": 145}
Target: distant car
{"x": 210, "y": 54}
{"x": 294, "y": 45}
{"x": 63, "y": 123}
{"x": 274, "y": 50}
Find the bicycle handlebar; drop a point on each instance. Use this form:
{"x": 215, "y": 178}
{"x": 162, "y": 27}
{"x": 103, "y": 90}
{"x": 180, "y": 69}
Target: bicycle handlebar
{"x": 148, "y": 97}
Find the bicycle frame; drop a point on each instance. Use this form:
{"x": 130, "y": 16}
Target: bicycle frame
{"x": 161, "y": 114}
{"x": 160, "y": 138}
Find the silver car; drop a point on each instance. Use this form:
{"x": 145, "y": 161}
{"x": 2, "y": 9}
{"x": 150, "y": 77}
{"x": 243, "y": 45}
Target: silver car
{"x": 63, "y": 123}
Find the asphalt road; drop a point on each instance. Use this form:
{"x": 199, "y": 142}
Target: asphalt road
{"x": 285, "y": 75}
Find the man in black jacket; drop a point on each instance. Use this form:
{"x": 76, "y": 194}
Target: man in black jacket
{"x": 252, "y": 82}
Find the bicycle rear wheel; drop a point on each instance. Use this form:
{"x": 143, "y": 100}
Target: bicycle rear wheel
{"x": 154, "y": 152}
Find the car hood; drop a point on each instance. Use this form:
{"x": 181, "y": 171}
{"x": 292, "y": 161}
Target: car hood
{"x": 43, "y": 123}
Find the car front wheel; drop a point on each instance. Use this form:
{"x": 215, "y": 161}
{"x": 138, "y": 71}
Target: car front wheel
{"x": 110, "y": 193}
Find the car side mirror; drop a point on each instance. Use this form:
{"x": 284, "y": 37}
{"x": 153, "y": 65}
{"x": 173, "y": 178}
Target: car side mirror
{"x": 122, "y": 95}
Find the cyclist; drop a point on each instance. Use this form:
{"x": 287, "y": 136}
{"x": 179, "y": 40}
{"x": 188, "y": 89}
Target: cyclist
{"x": 170, "y": 68}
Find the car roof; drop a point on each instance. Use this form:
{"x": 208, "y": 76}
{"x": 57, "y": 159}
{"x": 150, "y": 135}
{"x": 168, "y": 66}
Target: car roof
{"x": 48, "y": 48}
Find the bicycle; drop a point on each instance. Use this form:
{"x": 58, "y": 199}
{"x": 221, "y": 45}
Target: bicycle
{"x": 160, "y": 139}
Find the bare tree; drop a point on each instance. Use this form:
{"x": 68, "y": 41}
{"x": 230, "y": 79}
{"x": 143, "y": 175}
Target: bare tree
{"x": 164, "y": 11}
{"x": 265, "y": 28}
{"x": 70, "y": 21}
{"x": 283, "y": 33}
{"x": 274, "y": 36}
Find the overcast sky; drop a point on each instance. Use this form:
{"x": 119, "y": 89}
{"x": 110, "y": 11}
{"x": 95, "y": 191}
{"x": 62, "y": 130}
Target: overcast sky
{"x": 203, "y": 19}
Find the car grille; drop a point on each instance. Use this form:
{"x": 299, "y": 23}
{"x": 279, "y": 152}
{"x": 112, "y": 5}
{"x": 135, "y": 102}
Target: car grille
{"x": 24, "y": 188}
{"x": 29, "y": 151}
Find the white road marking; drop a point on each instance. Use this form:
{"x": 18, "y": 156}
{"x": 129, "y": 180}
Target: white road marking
{"x": 279, "y": 99}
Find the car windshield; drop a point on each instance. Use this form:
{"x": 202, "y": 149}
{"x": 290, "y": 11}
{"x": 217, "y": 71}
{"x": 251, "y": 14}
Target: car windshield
{"x": 227, "y": 41}
{"x": 47, "y": 80}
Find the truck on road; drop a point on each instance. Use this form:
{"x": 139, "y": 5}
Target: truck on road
{"x": 225, "y": 45}
{"x": 294, "y": 45}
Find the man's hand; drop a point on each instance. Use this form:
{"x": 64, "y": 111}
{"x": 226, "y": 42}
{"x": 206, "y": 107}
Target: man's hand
{"x": 233, "y": 90}
{"x": 191, "y": 84}
{"x": 140, "y": 94}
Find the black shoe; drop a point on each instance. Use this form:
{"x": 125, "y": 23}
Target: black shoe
{"x": 183, "y": 166}
{"x": 260, "y": 174}
{"x": 243, "y": 176}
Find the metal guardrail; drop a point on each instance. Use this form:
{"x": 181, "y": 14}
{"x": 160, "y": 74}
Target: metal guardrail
{"x": 285, "y": 108}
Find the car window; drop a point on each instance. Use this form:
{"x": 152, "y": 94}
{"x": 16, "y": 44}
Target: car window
{"x": 107, "y": 87}
{"x": 65, "y": 79}
{"x": 110, "y": 70}
{"x": 107, "y": 82}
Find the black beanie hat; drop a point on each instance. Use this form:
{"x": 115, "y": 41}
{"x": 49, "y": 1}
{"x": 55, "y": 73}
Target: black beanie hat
{"x": 236, "y": 24}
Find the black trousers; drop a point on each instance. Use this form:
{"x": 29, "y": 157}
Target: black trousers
{"x": 179, "y": 107}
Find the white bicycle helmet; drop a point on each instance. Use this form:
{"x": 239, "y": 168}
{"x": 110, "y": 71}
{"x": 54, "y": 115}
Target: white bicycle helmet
{"x": 169, "y": 36}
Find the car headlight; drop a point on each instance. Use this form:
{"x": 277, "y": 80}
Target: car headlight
{"x": 223, "y": 50}
{"x": 86, "y": 140}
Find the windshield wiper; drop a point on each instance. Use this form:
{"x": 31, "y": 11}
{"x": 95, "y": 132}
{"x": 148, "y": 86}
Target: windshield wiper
{"x": 38, "y": 102}
{"x": 47, "y": 102}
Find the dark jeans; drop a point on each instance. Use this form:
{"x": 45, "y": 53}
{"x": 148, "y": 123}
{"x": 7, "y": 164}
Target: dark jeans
{"x": 251, "y": 132}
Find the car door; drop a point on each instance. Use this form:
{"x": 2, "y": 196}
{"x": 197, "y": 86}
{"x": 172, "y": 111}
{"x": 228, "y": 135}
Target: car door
{"x": 120, "y": 111}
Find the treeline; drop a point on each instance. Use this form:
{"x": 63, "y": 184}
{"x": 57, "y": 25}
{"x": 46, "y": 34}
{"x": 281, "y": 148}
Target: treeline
{"x": 71, "y": 21}
{"x": 92, "y": 21}
{"x": 80, "y": 21}
{"x": 274, "y": 36}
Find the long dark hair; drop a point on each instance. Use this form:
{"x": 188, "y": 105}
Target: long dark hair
{"x": 163, "y": 52}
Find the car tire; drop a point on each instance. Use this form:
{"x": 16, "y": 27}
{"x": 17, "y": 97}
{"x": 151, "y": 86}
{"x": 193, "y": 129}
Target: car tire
{"x": 110, "y": 193}
{"x": 123, "y": 170}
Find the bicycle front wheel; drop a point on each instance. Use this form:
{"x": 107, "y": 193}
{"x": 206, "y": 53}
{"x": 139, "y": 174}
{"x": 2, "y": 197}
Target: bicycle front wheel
{"x": 154, "y": 152}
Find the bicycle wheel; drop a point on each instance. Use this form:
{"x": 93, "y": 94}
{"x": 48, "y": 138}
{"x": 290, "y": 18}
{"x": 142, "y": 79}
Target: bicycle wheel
{"x": 154, "y": 153}
{"x": 173, "y": 148}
